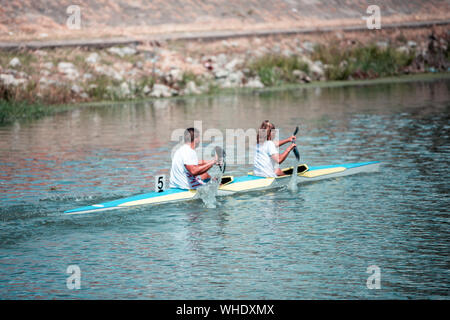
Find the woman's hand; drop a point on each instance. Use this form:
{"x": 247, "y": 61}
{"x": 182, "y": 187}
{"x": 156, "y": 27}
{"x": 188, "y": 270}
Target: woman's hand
{"x": 292, "y": 138}
{"x": 292, "y": 146}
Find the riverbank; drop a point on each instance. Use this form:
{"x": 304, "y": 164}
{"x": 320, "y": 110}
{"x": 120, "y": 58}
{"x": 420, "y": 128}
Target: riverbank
{"x": 68, "y": 76}
{"x": 11, "y": 112}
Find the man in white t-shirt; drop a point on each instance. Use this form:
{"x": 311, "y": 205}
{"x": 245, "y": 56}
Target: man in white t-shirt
{"x": 267, "y": 157}
{"x": 187, "y": 171}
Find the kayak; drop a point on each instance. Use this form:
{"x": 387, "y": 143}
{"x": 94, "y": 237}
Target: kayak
{"x": 233, "y": 185}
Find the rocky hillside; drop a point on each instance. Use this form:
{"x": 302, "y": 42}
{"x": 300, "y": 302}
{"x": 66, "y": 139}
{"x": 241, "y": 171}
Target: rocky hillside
{"x": 46, "y": 19}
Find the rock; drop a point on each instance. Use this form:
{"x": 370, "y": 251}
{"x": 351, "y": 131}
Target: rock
{"x": 301, "y": 76}
{"x": 44, "y": 82}
{"x": 76, "y": 89}
{"x": 108, "y": 71}
{"x": 65, "y": 65}
{"x": 84, "y": 95}
{"x": 15, "y": 62}
{"x": 221, "y": 59}
{"x": 68, "y": 69}
{"x": 221, "y": 73}
{"x": 403, "y": 49}
{"x": 315, "y": 68}
{"x": 124, "y": 90}
{"x": 412, "y": 44}
{"x": 287, "y": 53}
{"x": 254, "y": 83}
{"x": 382, "y": 44}
{"x": 276, "y": 48}
{"x": 45, "y": 73}
{"x": 299, "y": 50}
{"x": 224, "y": 83}
{"x": 122, "y": 52}
{"x": 231, "y": 66}
{"x": 160, "y": 90}
{"x": 92, "y": 58}
{"x": 174, "y": 75}
{"x": 308, "y": 46}
{"x": 236, "y": 78}
{"x": 9, "y": 80}
{"x": 146, "y": 90}
{"x": 87, "y": 76}
{"x": 48, "y": 65}
{"x": 191, "y": 88}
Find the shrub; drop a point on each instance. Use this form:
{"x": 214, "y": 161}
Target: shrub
{"x": 362, "y": 62}
{"x": 277, "y": 69}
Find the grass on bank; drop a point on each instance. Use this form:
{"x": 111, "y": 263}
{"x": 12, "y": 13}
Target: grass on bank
{"x": 274, "y": 70}
{"x": 13, "y": 111}
{"x": 362, "y": 62}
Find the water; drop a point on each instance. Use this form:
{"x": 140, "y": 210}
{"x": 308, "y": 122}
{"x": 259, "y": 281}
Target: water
{"x": 316, "y": 243}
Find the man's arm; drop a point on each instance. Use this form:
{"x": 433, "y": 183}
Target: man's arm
{"x": 201, "y": 168}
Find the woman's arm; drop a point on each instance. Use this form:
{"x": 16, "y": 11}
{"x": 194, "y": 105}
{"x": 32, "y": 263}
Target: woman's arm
{"x": 282, "y": 142}
{"x": 280, "y": 158}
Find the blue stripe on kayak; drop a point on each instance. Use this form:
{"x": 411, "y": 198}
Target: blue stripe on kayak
{"x": 347, "y": 165}
{"x": 246, "y": 178}
{"x": 115, "y": 203}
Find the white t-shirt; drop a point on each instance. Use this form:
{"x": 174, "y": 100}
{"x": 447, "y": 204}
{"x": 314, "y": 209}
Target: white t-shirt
{"x": 179, "y": 175}
{"x": 264, "y": 166}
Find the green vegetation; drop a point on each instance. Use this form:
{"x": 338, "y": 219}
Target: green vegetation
{"x": 27, "y": 59}
{"x": 12, "y": 111}
{"x": 362, "y": 62}
{"x": 275, "y": 70}
{"x": 187, "y": 77}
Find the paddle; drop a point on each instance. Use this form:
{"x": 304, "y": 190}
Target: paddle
{"x": 297, "y": 154}
{"x": 221, "y": 157}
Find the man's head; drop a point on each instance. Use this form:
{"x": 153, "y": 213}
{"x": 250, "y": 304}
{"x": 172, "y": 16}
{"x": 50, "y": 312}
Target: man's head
{"x": 192, "y": 135}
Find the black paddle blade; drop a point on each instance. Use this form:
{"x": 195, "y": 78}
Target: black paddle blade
{"x": 221, "y": 157}
{"x": 297, "y": 154}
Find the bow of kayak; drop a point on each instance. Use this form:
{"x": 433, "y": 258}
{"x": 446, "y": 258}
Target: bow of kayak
{"x": 231, "y": 185}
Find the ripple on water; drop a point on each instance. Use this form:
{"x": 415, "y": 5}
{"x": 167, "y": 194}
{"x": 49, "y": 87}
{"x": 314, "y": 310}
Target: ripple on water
{"x": 314, "y": 243}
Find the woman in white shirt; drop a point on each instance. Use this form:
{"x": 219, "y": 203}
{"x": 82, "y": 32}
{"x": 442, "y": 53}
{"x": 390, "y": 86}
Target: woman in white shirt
{"x": 267, "y": 157}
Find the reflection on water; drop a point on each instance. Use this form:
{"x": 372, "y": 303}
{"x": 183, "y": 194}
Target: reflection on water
{"x": 313, "y": 243}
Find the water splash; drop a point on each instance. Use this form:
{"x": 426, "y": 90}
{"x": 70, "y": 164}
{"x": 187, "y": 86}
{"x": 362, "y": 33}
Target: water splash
{"x": 208, "y": 191}
{"x": 293, "y": 183}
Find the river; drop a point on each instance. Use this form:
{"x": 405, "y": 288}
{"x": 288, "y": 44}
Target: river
{"x": 316, "y": 243}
